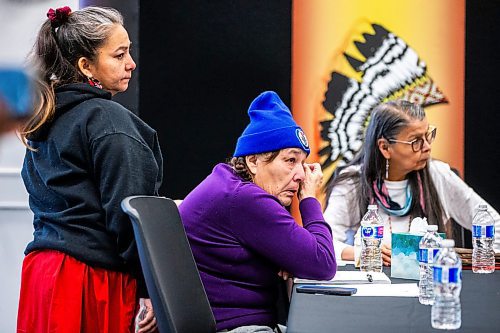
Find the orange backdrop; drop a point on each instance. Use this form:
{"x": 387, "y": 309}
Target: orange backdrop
{"x": 323, "y": 30}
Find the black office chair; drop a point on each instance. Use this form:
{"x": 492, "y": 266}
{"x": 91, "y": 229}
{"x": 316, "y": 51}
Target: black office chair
{"x": 174, "y": 285}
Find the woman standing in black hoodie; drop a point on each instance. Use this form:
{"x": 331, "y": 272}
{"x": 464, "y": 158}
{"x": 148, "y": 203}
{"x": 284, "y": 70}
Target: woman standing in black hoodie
{"x": 85, "y": 154}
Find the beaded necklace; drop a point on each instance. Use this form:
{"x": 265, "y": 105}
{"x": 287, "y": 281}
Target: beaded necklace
{"x": 390, "y": 223}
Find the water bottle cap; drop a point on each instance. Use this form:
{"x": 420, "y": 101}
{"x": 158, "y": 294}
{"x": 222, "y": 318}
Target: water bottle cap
{"x": 482, "y": 207}
{"x": 372, "y": 207}
{"x": 448, "y": 243}
{"x": 432, "y": 227}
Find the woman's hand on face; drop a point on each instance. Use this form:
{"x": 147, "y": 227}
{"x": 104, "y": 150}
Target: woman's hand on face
{"x": 386, "y": 254}
{"x": 313, "y": 180}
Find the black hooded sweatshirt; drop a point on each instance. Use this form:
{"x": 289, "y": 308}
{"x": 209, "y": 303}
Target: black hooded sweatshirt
{"x": 92, "y": 154}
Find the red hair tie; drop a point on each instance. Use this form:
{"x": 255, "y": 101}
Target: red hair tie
{"x": 59, "y": 16}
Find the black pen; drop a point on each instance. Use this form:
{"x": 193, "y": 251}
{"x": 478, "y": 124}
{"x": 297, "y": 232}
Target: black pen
{"x": 369, "y": 277}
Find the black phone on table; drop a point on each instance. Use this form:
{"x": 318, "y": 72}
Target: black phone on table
{"x": 326, "y": 290}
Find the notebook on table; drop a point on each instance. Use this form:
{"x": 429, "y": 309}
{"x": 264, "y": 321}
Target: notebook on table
{"x": 350, "y": 277}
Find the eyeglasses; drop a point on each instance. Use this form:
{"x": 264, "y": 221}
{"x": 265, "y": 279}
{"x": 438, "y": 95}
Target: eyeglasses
{"x": 418, "y": 143}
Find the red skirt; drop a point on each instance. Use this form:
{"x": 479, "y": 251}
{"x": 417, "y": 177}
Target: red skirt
{"x": 60, "y": 294}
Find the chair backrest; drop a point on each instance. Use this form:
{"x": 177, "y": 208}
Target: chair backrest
{"x": 172, "y": 278}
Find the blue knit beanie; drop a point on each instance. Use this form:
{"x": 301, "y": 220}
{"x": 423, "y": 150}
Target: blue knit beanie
{"x": 271, "y": 128}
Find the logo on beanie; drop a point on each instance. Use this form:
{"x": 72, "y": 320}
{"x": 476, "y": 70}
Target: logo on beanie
{"x": 302, "y": 137}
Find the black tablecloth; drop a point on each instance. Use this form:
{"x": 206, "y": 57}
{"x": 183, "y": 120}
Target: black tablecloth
{"x": 480, "y": 300}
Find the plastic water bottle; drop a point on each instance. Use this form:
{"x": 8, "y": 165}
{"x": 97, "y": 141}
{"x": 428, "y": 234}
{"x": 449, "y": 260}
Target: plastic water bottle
{"x": 483, "y": 234}
{"x": 428, "y": 248}
{"x": 141, "y": 314}
{"x": 446, "y": 312}
{"x": 372, "y": 232}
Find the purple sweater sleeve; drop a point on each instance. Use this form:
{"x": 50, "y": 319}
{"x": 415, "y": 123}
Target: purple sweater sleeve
{"x": 262, "y": 224}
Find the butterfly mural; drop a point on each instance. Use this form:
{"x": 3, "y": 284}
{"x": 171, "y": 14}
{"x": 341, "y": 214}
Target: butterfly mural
{"x": 390, "y": 70}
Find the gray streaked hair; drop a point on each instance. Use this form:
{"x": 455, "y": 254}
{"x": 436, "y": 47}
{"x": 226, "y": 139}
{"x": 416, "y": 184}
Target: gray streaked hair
{"x": 85, "y": 31}
{"x": 56, "y": 52}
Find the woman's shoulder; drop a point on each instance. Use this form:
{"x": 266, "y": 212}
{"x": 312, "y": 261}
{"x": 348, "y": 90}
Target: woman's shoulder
{"x": 350, "y": 168}
{"x": 346, "y": 180}
{"x": 233, "y": 184}
{"x": 80, "y": 102}
{"x": 106, "y": 117}
{"x": 100, "y": 109}
{"x": 444, "y": 177}
{"x": 439, "y": 168}
{"x": 353, "y": 169}
{"x": 251, "y": 196}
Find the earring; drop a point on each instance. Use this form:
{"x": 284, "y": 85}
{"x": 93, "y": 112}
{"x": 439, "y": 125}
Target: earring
{"x": 386, "y": 169}
{"x": 94, "y": 82}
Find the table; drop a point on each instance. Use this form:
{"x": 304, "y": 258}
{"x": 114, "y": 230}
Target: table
{"x": 480, "y": 300}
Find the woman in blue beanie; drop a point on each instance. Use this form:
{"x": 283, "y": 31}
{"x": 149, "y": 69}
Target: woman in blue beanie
{"x": 240, "y": 231}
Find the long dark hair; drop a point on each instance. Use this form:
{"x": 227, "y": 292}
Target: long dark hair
{"x": 56, "y": 52}
{"x": 387, "y": 121}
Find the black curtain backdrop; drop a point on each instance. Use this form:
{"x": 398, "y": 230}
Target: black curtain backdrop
{"x": 482, "y": 90}
{"x": 202, "y": 63}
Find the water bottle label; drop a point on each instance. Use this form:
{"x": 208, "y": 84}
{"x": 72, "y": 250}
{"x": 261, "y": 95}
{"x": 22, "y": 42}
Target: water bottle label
{"x": 447, "y": 274}
{"x": 426, "y": 256}
{"x": 479, "y": 231}
{"x": 490, "y": 231}
{"x": 476, "y": 231}
{"x": 434, "y": 255}
{"x": 372, "y": 232}
{"x": 422, "y": 256}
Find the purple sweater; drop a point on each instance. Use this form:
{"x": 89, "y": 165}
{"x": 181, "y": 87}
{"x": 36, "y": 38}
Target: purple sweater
{"x": 241, "y": 237}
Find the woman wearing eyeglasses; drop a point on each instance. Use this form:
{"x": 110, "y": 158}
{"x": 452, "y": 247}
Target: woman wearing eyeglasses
{"x": 393, "y": 170}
